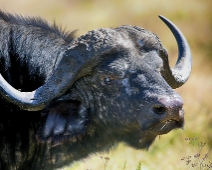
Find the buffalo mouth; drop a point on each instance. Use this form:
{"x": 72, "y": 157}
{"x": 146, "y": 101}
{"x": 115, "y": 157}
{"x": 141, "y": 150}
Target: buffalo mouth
{"x": 166, "y": 126}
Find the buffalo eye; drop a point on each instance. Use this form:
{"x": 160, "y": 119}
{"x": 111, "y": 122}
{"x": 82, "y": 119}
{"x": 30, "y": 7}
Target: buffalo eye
{"x": 108, "y": 80}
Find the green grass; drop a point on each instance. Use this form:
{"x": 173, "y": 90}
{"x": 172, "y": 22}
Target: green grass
{"x": 194, "y": 18}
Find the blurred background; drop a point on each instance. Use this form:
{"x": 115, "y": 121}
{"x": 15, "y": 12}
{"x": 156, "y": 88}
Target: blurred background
{"x": 178, "y": 149}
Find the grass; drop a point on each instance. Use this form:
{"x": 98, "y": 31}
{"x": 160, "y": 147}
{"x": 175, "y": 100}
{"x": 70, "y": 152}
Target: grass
{"x": 194, "y": 18}
{"x": 199, "y": 159}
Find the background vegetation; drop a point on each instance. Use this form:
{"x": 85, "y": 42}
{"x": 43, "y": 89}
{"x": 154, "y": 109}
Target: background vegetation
{"x": 194, "y": 18}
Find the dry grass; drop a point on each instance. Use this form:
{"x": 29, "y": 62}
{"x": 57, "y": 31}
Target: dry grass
{"x": 194, "y": 17}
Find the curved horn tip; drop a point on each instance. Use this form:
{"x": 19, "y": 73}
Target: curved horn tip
{"x": 160, "y": 16}
{"x": 163, "y": 18}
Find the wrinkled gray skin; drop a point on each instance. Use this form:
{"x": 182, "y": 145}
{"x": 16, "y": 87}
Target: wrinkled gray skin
{"x": 120, "y": 96}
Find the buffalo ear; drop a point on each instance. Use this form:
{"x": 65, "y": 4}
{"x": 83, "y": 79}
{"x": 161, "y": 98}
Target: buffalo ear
{"x": 66, "y": 120}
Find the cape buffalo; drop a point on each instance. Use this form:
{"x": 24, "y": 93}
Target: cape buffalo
{"x": 63, "y": 98}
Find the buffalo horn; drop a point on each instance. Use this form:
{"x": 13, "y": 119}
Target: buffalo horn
{"x": 178, "y": 75}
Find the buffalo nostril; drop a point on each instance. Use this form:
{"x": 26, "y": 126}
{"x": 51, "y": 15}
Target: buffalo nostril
{"x": 172, "y": 105}
{"x": 159, "y": 109}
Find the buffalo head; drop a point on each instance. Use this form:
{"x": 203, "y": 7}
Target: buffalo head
{"x": 110, "y": 85}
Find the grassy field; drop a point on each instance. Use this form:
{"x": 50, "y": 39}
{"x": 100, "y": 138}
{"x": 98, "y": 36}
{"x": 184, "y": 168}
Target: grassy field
{"x": 173, "y": 151}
